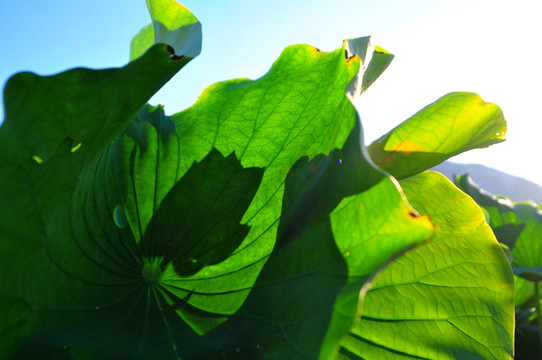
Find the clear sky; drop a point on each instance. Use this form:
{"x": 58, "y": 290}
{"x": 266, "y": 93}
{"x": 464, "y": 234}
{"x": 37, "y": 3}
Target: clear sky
{"x": 491, "y": 47}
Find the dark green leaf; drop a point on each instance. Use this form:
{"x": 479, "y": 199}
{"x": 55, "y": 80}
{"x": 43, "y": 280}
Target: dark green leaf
{"x": 249, "y": 221}
{"x": 531, "y": 274}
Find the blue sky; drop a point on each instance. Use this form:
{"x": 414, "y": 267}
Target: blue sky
{"x": 491, "y": 47}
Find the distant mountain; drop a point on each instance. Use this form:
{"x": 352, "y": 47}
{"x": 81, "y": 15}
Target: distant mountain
{"x": 494, "y": 181}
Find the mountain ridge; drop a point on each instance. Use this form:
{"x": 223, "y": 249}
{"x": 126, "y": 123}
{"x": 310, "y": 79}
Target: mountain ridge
{"x": 494, "y": 181}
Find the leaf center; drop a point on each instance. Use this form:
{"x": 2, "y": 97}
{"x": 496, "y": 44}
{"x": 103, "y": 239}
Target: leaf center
{"x": 151, "y": 272}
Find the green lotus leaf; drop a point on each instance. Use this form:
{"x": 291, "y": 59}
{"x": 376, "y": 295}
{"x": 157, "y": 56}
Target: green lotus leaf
{"x": 254, "y": 224}
{"x": 453, "y": 124}
{"x": 373, "y": 60}
{"x": 519, "y": 226}
{"x": 172, "y": 24}
{"x": 433, "y": 302}
{"x": 249, "y": 221}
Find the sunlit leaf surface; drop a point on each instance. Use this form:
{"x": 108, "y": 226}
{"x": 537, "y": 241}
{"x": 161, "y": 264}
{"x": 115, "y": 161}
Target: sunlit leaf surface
{"x": 246, "y": 224}
{"x": 172, "y": 24}
{"x": 433, "y": 302}
{"x": 250, "y": 225}
{"x": 455, "y": 123}
{"x": 518, "y": 226}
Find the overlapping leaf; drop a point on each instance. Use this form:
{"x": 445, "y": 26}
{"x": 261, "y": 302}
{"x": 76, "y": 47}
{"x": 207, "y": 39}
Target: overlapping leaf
{"x": 455, "y": 123}
{"x": 247, "y": 226}
{"x": 55, "y": 127}
{"x": 433, "y": 302}
{"x": 228, "y": 228}
{"x": 518, "y": 226}
{"x": 172, "y": 24}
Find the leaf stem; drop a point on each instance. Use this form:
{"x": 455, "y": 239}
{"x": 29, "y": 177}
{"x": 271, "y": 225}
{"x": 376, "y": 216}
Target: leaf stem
{"x": 538, "y": 312}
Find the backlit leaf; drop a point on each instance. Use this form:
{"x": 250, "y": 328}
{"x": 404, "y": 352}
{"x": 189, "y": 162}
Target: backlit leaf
{"x": 453, "y": 124}
{"x": 433, "y": 302}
